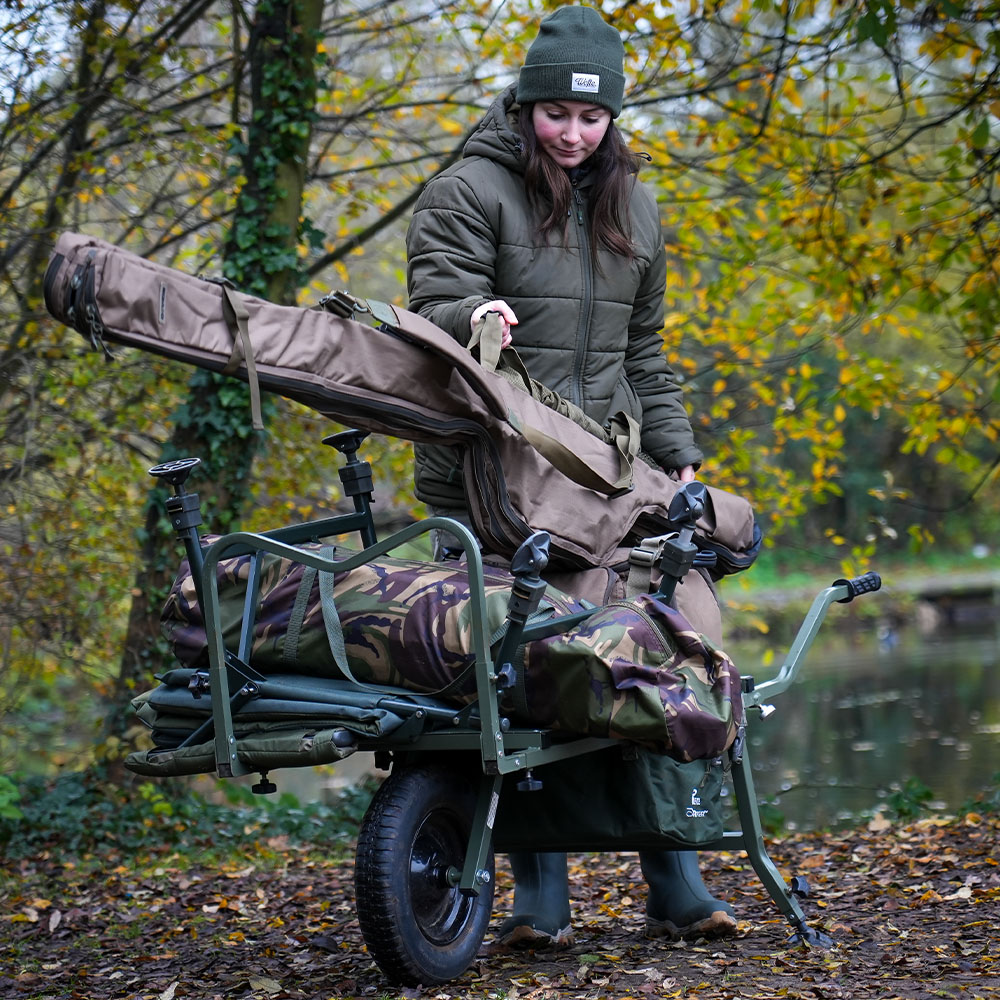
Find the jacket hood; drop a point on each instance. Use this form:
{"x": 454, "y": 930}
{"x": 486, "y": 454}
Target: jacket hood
{"x": 496, "y": 137}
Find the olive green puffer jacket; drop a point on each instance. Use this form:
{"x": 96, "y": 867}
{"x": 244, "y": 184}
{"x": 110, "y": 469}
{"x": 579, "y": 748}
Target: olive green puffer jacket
{"x": 591, "y": 333}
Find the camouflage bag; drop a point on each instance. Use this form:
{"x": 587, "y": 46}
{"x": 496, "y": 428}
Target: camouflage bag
{"x": 398, "y": 622}
{"x": 634, "y": 670}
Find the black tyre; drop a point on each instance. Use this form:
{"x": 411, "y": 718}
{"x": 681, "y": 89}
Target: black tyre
{"x": 419, "y": 927}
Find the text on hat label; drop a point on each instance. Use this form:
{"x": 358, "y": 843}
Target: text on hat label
{"x": 589, "y": 83}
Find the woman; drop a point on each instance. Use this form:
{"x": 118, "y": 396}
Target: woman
{"x": 544, "y": 222}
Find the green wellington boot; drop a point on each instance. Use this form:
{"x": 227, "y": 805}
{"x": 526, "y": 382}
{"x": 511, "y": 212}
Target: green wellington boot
{"x": 678, "y": 904}
{"x": 541, "y": 902}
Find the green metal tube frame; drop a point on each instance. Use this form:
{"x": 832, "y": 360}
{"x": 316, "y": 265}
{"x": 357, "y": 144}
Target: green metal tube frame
{"x": 496, "y": 759}
{"x": 501, "y": 751}
{"x": 800, "y": 646}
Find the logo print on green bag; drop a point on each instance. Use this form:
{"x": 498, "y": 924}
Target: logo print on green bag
{"x": 693, "y": 813}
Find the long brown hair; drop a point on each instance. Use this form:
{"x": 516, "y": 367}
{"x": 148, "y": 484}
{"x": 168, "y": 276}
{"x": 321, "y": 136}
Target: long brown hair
{"x": 550, "y": 191}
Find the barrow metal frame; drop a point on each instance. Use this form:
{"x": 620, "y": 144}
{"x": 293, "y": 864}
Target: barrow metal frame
{"x": 501, "y": 748}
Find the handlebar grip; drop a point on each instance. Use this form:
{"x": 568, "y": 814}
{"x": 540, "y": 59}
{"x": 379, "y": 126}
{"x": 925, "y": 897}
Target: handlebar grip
{"x": 865, "y": 584}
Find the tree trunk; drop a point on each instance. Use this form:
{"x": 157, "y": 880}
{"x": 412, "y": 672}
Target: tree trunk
{"x": 261, "y": 257}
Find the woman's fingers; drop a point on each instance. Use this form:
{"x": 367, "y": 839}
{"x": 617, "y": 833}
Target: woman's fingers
{"x": 507, "y": 315}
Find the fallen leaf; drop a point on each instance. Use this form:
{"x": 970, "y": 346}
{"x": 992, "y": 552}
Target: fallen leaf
{"x": 263, "y": 983}
{"x": 879, "y": 824}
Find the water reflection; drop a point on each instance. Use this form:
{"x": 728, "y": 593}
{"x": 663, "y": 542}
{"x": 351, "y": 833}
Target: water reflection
{"x": 862, "y": 719}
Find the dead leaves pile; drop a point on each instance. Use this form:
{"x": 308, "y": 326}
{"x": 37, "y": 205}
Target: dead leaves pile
{"x": 913, "y": 913}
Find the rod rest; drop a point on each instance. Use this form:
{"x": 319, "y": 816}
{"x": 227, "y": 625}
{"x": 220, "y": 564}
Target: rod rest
{"x": 356, "y": 476}
{"x": 531, "y": 557}
{"x": 679, "y": 553}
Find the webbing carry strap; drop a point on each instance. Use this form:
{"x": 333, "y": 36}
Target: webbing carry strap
{"x": 238, "y": 320}
{"x": 641, "y": 561}
{"x": 331, "y": 621}
{"x": 290, "y": 649}
{"x": 335, "y": 635}
{"x": 623, "y": 432}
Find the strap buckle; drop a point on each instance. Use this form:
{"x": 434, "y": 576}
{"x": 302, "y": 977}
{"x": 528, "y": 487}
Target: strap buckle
{"x": 348, "y": 306}
{"x": 342, "y": 304}
{"x": 648, "y": 552}
{"x": 217, "y": 279}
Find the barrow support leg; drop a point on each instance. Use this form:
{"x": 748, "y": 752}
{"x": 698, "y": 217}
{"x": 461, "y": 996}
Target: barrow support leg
{"x": 767, "y": 872}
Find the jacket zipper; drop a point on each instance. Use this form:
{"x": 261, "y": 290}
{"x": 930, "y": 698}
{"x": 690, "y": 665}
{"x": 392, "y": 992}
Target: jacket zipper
{"x": 586, "y": 303}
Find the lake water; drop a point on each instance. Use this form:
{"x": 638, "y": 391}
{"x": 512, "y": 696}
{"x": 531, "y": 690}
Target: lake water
{"x": 864, "y": 716}
{"x": 859, "y": 721}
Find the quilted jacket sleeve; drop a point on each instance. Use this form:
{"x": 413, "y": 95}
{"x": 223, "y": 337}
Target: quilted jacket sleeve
{"x": 666, "y": 428}
{"x": 451, "y": 254}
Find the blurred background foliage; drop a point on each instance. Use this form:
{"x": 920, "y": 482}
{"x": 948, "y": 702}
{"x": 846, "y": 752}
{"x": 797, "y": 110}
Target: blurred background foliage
{"x": 827, "y": 179}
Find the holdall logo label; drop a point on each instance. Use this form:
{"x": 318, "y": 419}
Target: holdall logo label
{"x": 163, "y": 302}
{"x": 587, "y": 83}
{"x": 692, "y": 812}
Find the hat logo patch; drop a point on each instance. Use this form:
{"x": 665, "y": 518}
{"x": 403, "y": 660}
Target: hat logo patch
{"x": 587, "y": 83}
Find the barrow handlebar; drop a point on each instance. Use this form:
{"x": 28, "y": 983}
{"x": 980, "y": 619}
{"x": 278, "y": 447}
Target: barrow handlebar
{"x": 841, "y": 591}
{"x": 866, "y": 584}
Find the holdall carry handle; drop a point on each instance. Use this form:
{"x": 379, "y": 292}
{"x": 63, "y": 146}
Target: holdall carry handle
{"x": 623, "y": 433}
{"x": 488, "y": 336}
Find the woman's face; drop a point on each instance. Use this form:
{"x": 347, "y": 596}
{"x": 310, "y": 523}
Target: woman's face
{"x": 569, "y": 131}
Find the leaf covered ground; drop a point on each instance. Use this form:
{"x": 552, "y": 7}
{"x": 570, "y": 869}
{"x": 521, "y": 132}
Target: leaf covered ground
{"x": 913, "y": 911}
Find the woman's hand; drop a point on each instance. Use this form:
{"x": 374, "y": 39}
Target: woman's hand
{"x": 506, "y": 315}
{"x": 686, "y": 475}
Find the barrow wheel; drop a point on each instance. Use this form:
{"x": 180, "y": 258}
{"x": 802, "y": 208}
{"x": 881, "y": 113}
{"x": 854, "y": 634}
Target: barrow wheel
{"x": 420, "y": 928}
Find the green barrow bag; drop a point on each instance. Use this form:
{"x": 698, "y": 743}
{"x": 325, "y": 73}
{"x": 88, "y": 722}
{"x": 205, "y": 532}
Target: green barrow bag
{"x": 632, "y": 670}
{"x": 620, "y": 798}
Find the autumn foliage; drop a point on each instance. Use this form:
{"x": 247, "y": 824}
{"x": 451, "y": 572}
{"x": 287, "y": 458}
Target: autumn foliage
{"x": 827, "y": 179}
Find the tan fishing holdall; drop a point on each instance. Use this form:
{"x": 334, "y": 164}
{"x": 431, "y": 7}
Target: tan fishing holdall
{"x": 386, "y": 370}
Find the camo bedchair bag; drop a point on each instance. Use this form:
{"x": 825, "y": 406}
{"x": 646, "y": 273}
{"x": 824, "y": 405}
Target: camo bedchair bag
{"x": 634, "y": 670}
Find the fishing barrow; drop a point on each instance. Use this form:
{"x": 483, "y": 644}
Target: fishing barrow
{"x": 467, "y": 776}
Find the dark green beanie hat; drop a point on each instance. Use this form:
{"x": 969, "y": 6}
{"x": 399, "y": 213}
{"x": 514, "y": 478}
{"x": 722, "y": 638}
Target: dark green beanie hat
{"x": 577, "y": 56}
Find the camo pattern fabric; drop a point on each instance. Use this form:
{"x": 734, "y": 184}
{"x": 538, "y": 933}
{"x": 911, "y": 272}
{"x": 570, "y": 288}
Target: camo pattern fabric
{"x": 634, "y": 670}
{"x": 406, "y": 623}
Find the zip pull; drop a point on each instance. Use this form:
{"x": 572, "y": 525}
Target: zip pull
{"x": 579, "y": 206}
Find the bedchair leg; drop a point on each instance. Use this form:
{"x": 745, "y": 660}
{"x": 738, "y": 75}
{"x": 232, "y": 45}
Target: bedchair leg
{"x": 753, "y": 844}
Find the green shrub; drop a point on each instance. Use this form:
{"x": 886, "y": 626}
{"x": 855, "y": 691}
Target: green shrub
{"x": 911, "y": 800}
{"x": 81, "y": 814}
{"x": 9, "y": 796}
{"x": 987, "y": 801}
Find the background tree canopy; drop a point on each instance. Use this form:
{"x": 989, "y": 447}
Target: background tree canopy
{"x": 827, "y": 179}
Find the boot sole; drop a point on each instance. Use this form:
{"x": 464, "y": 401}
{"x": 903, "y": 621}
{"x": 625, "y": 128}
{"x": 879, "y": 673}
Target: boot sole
{"x": 524, "y": 936}
{"x": 717, "y": 925}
